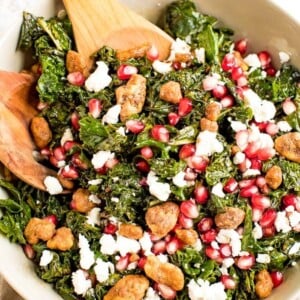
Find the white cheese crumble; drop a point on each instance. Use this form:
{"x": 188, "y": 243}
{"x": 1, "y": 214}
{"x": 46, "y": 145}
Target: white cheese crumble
{"x": 94, "y": 198}
{"x": 257, "y": 231}
{"x": 284, "y": 126}
{"x": 237, "y": 125}
{"x": 207, "y": 143}
{"x": 283, "y": 57}
{"x": 101, "y": 157}
{"x": 67, "y": 136}
{"x": 282, "y": 222}
{"x": 239, "y": 157}
{"x": 263, "y": 258}
{"x": 99, "y": 79}
{"x": 162, "y": 67}
{"x": 151, "y": 294}
{"x": 231, "y": 237}
{"x": 146, "y": 243}
{"x": 126, "y": 245}
{"x": 103, "y": 270}
{"x": 252, "y": 60}
{"x": 200, "y": 55}
{"x": 80, "y": 283}
{"x": 160, "y": 190}
{"x": 203, "y": 290}
{"x": 46, "y": 258}
{"x": 112, "y": 115}
{"x": 93, "y": 216}
{"x": 294, "y": 249}
{"x": 251, "y": 173}
{"x": 95, "y": 181}
{"x": 218, "y": 190}
{"x": 87, "y": 257}
{"x": 179, "y": 180}
{"x": 53, "y": 185}
{"x": 121, "y": 130}
{"x": 107, "y": 244}
{"x": 179, "y": 46}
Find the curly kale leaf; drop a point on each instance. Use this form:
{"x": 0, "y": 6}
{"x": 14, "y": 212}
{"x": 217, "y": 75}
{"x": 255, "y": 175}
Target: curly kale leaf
{"x": 294, "y": 119}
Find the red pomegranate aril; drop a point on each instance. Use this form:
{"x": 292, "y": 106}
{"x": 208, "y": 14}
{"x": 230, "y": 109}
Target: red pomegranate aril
{"x": 123, "y": 263}
{"x": 272, "y": 129}
{"x": 111, "y": 162}
{"x": 160, "y": 133}
{"x": 260, "y": 201}
{"x": 227, "y": 101}
{"x": 248, "y": 192}
{"x": 228, "y": 62}
{"x": 268, "y": 217}
{"x": 245, "y": 262}
{"x": 260, "y": 181}
{"x": 110, "y": 228}
{"x": 228, "y": 282}
{"x": 28, "y": 251}
{"x": 205, "y": 224}
{"x": 190, "y": 174}
{"x": 68, "y": 145}
{"x": 241, "y": 46}
{"x": 78, "y": 161}
{"x": 187, "y": 150}
{"x": 242, "y": 81}
{"x": 75, "y": 120}
{"x": 176, "y": 65}
{"x": 124, "y": 72}
{"x": 264, "y": 58}
{"x": 152, "y": 53}
{"x": 271, "y": 71}
{"x": 147, "y": 152}
{"x": 185, "y": 222}
{"x": 59, "y": 153}
{"x": 76, "y": 78}
{"x": 265, "y": 153}
{"x": 142, "y": 166}
{"x": 95, "y": 107}
{"x": 213, "y": 253}
{"x": 236, "y": 73}
{"x": 256, "y": 164}
{"x": 185, "y": 106}
{"x": 289, "y": 200}
{"x": 52, "y": 219}
{"x": 219, "y": 91}
{"x": 209, "y": 236}
{"x": 225, "y": 250}
{"x": 165, "y": 291}
{"x": 135, "y": 126}
{"x": 159, "y": 247}
{"x": 245, "y": 183}
{"x": 189, "y": 209}
{"x": 173, "y": 245}
{"x": 201, "y": 194}
{"x": 198, "y": 163}
{"x": 173, "y": 118}
{"x": 141, "y": 262}
{"x": 269, "y": 231}
{"x": 69, "y": 172}
{"x": 231, "y": 185}
{"x": 252, "y": 150}
{"x": 288, "y": 106}
{"x": 277, "y": 278}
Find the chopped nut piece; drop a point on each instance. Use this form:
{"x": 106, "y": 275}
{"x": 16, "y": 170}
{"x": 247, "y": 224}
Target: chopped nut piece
{"x": 81, "y": 202}
{"x": 187, "y": 236}
{"x": 41, "y": 132}
{"x": 231, "y": 218}
{"x": 274, "y": 177}
{"x": 288, "y": 145}
{"x": 170, "y": 92}
{"x": 131, "y": 231}
{"x": 62, "y": 240}
{"x": 212, "y": 111}
{"x": 76, "y": 63}
{"x": 264, "y": 284}
{"x": 209, "y": 125}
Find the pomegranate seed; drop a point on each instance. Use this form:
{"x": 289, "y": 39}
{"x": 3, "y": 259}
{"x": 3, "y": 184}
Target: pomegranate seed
{"x": 69, "y": 172}
{"x": 160, "y": 133}
{"x": 228, "y": 62}
{"x": 190, "y": 175}
{"x": 152, "y": 53}
{"x": 173, "y": 245}
{"x": 189, "y": 209}
{"x": 277, "y": 278}
{"x": 110, "y": 228}
{"x": 265, "y": 153}
{"x": 185, "y": 106}
{"x": 225, "y": 250}
{"x": 209, "y": 236}
{"x": 135, "y": 126}
{"x": 228, "y": 282}
{"x": 53, "y": 161}
{"x": 256, "y": 214}
{"x": 95, "y": 107}
{"x": 236, "y": 73}
{"x": 256, "y": 164}
{"x": 75, "y": 120}
{"x": 268, "y": 217}
{"x": 123, "y": 263}
{"x": 252, "y": 150}
{"x": 173, "y": 118}
{"x": 241, "y": 46}
{"x": 260, "y": 201}
{"x": 241, "y": 138}
{"x": 231, "y": 185}
{"x": 142, "y": 166}
{"x": 219, "y": 91}
{"x": 209, "y": 83}
{"x": 59, "y": 153}
{"x": 187, "y": 150}
{"x": 177, "y": 65}
{"x": 185, "y": 222}
{"x": 260, "y": 181}
{"x": 201, "y": 194}
{"x": 147, "y": 152}
{"x": 227, "y": 101}
{"x": 249, "y": 191}
{"x": 165, "y": 291}
{"x": 141, "y": 262}
{"x": 265, "y": 189}
{"x": 76, "y": 78}
{"x": 111, "y": 162}
{"x": 242, "y": 81}
{"x": 290, "y": 200}
{"x": 272, "y": 129}
{"x": 288, "y": 106}
{"x": 52, "y": 219}
{"x": 213, "y": 253}
{"x": 78, "y": 161}
{"x": 68, "y": 145}
{"x": 245, "y": 262}
{"x": 46, "y": 152}
{"x": 205, "y": 224}
{"x": 198, "y": 163}
{"x": 271, "y": 71}
{"x": 159, "y": 247}
{"x": 124, "y": 72}
{"x": 269, "y": 231}
{"x": 28, "y": 251}
{"x": 264, "y": 58}
{"x": 245, "y": 183}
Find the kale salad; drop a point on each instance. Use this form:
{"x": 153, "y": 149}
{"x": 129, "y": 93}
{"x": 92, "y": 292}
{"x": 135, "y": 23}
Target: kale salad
{"x": 183, "y": 174}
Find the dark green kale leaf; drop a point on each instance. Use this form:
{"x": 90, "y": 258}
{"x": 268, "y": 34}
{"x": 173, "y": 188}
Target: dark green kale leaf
{"x": 294, "y": 119}
{"x": 166, "y": 167}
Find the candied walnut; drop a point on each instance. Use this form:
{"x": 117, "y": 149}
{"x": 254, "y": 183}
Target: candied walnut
{"x": 212, "y": 111}
{"x": 264, "y": 284}
{"x": 66, "y": 183}
{"x": 187, "y": 236}
{"x": 81, "y": 202}
{"x": 136, "y": 52}
{"x": 162, "y": 218}
{"x": 170, "y": 92}
{"x": 131, "y": 96}
{"x": 288, "y": 145}
{"x": 209, "y": 125}
{"x": 274, "y": 177}
{"x": 131, "y": 231}
{"x": 165, "y": 273}
{"x": 41, "y": 132}
{"x": 76, "y": 63}
{"x": 129, "y": 287}
{"x": 231, "y": 218}
{"x": 39, "y": 229}
{"x": 62, "y": 240}
{"x": 183, "y": 57}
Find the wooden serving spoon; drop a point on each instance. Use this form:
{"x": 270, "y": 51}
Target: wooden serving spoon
{"x": 98, "y": 23}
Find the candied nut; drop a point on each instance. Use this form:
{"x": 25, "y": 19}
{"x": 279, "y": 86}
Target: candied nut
{"x": 41, "y": 132}
{"x": 129, "y": 287}
{"x": 231, "y": 218}
{"x": 131, "y": 96}
{"x": 162, "y": 218}
{"x": 62, "y": 240}
{"x": 206, "y": 124}
{"x": 170, "y": 92}
{"x": 66, "y": 183}
{"x": 81, "y": 202}
{"x": 183, "y": 57}
{"x": 187, "y": 236}
{"x": 212, "y": 111}
{"x": 39, "y": 229}
{"x": 136, "y": 52}
{"x": 264, "y": 284}
{"x": 165, "y": 273}
{"x": 288, "y": 145}
{"x": 240, "y": 61}
{"x": 76, "y": 63}
{"x": 274, "y": 177}
{"x": 130, "y": 231}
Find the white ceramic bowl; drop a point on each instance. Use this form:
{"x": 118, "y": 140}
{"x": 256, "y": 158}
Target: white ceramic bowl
{"x": 272, "y": 25}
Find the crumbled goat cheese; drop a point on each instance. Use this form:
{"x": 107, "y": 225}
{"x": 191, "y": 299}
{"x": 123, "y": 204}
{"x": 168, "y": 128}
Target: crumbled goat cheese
{"x": 160, "y": 190}
{"x": 239, "y": 157}
{"x": 46, "y": 258}
{"x": 178, "y": 46}
{"x": 100, "y": 158}
{"x": 146, "y": 243}
{"x": 94, "y": 198}
{"x": 151, "y": 294}
{"x": 99, "y": 79}
{"x": 263, "y": 258}
{"x": 283, "y": 57}
{"x": 93, "y": 216}
{"x": 294, "y": 218}
{"x": 53, "y": 185}
{"x": 179, "y": 180}
{"x": 121, "y": 130}
{"x": 115, "y": 199}
{"x": 218, "y": 190}
{"x": 87, "y": 257}
{"x": 231, "y": 237}
{"x": 126, "y": 245}
{"x": 237, "y": 125}
{"x": 203, "y": 290}
{"x": 282, "y": 222}
{"x": 95, "y": 181}
{"x": 251, "y": 173}
{"x": 252, "y": 60}
{"x": 207, "y": 143}
{"x": 284, "y": 126}
{"x": 198, "y": 245}
{"x": 200, "y": 55}
{"x": 294, "y": 249}
{"x": 162, "y": 67}
{"x": 112, "y": 115}
{"x": 103, "y": 269}
{"x": 108, "y": 244}
{"x": 80, "y": 283}
{"x": 67, "y": 136}
{"x": 257, "y": 232}
{"x": 163, "y": 258}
